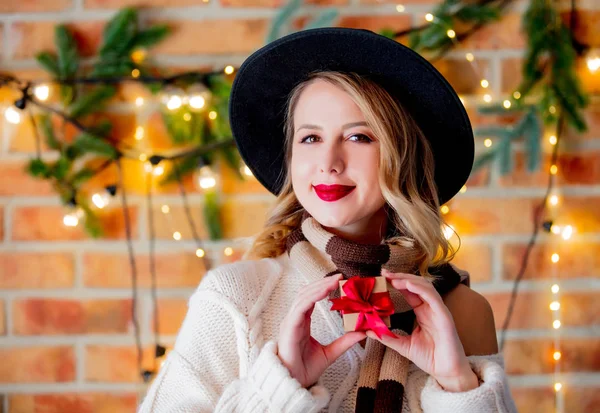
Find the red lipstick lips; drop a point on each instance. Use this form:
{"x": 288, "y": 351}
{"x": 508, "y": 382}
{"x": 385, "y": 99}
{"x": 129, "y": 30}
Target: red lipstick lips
{"x": 331, "y": 193}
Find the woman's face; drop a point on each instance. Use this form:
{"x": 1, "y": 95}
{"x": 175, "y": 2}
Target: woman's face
{"x": 335, "y": 161}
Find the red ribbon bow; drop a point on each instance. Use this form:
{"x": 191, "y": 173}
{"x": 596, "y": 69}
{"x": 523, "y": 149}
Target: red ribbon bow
{"x": 360, "y": 298}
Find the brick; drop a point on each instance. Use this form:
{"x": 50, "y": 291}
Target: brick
{"x": 117, "y": 4}
{"x": 404, "y": 2}
{"x": 581, "y": 399}
{"x": 592, "y": 120}
{"x": 532, "y": 309}
{"x": 46, "y": 223}
{"x": 479, "y": 178}
{"x": 278, "y": 3}
{"x": 503, "y": 34}
{"x": 37, "y": 364}
{"x": 22, "y": 137}
{"x": 2, "y": 319}
{"x": 476, "y": 259}
{"x": 35, "y": 316}
{"x": 171, "y": 313}
{"x": 531, "y": 399}
{"x": 35, "y": 6}
{"x": 577, "y": 259}
{"x": 16, "y": 180}
{"x": 464, "y": 76}
{"x": 1, "y": 223}
{"x": 26, "y": 39}
{"x": 222, "y": 36}
{"x": 73, "y": 403}
{"x": 176, "y": 220}
{"x": 534, "y": 356}
{"x": 36, "y": 270}
{"x": 515, "y": 216}
{"x": 243, "y": 219}
{"x": 586, "y": 25}
{"x": 375, "y": 23}
{"x": 111, "y": 270}
{"x": 117, "y": 363}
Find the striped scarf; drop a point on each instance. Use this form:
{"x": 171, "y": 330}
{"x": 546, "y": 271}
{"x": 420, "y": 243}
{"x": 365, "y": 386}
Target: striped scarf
{"x": 384, "y": 371}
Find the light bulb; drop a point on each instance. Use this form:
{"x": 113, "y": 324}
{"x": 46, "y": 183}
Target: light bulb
{"x": 139, "y": 133}
{"x": 506, "y": 104}
{"x": 552, "y": 139}
{"x": 592, "y": 60}
{"x": 451, "y": 34}
{"x": 470, "y": 57}
{"x": 448, "y": 231}
{"x": 72, "y": 218}
{"x": 429, "y": 17}
{"x": 200, "y": 253}
{"x": 12, "y": 115}
{"x": 42, "y": 92}
{"x": 517, "y": 95}
{"x": 555, "y": 288}
{"x": 556, "y": 324}
{"x": 158, "y": 170}
{"x": 212, "y": 115}
{"x": 487, "y": 143}
{"x": 557, "y": 386}
{"x": 554, "y": 169}
{"x": 139, "y": 101}
{"x": 445, "y": 209}
{"x": 556, "y": 355}
{"x": 400, "y": 8}
{"x": 487, "y": 98}
{"x": 554, "y": 200}
{"x": 206, "y": 178}
{"x": 229, "y": 70}
{"x": 555, "y": 229}
{"x": 199, "y": 96}
{"x": 177, "y": 235}
{"x": 228, "y": 251}
{"x": 172, "y": 97}
{"x": 165, "y": 209}
{"x": 554, "y": 305}
{"x": 484, "y": 83}
{"x": 101, "y": 199}
{"x": 567, "y": 232}
{"x": 555, "y": 258}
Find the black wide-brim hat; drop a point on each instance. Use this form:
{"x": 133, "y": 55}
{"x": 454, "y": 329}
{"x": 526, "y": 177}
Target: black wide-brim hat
{"x": 261, "y": 87}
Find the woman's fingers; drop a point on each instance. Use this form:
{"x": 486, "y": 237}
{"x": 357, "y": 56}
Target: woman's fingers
{"x": 340, "y": 345}
{"x": 306, "y": 300}
{"x": 401, "y": 343}
{"x": 426, "y": 293}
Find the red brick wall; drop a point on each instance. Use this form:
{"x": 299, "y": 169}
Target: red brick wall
{"x": 66, "y": 334}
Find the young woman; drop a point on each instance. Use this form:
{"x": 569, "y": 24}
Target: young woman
{"x": 362, "y": 140}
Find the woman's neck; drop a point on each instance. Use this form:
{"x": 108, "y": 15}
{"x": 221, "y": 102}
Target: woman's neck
{"x": 369, "y": 230}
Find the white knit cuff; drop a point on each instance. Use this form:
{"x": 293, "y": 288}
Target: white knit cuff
{"x": 283, "y": 393}
{"x": 492, "y": 395}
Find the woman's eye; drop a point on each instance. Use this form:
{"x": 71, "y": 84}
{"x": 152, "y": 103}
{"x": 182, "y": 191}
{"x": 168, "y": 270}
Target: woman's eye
{"x": 361, "y": 138}
{"x": 309, "y": 139}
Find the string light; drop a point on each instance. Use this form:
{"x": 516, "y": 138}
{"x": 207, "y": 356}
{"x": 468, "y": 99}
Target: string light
{"x": 139, "y": 133}
{"x": 555, "y": 229}
{"x": 135, "y": 73}
{"x": 448, "y": 231}
{"x": 139, "y": 101}
{"x": 487, "y": 98}
{"x": 552, "y": 110}
{"x": 143, "y": 157}
{"x": 445, "y": 209}
{"x": 463, "y": 189}
{"x": 552, "y": 139}
{"x": 555, "y": 258}
{"x": 228, "y": 251}
{"x": 199, "y": 96}
{"x": 554, "y": 200}
{"x": 556, "y": 355}
{"x": 12, "y": 115}
{"x": 206, "y": 178}
{"x": 567, "y": 232}
{"x": 138, "y": 55}
{"x": 555, "y": 288}
{"x": 557, "y": 386}
{"x": 554, "y": 305}
{"x": 506, "y": 104}
{"x": 165, "y": 209}
{"x": 517, "y": 95}
{"x": 42, "y": 92}
{"x": 470, "y": 57}
{"x": 554, "y": 169}
{"x": 487, "y": 143}
{"x": 429, "y": 17}
{"x": 400, "y": 8}
{"x": 229, "y": 70}
{"x": 451, "y": 34}
{"x": 173, "y": 98}
{"x": 592, "y": 60}
{"x": 212, "y": 115}
{"x": 101, "y": 199}
{"x": 177, "y": 235}
{"x": 556, "y": 324}
{"x": 72, "y": 218}
{"x": 484, "y": 83}
{"x": 200, "y": 253}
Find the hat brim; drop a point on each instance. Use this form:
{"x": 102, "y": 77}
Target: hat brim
{"x": 261, "y": 87}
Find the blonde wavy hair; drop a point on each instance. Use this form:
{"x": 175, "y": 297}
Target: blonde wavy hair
{"x": 412, "y": 204}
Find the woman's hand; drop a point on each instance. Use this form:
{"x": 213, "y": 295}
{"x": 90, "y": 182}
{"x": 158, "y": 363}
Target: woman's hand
{"x": 305, "y": 357}
{"x": 434, "y": 345}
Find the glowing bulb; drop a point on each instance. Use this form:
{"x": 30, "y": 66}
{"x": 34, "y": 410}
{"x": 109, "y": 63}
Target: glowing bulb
{"x": 177, "y": 235}
{"x": 139, "y": 133}
{"x": 445, "y": 209}
{"x": 554, "y": 305}
{"x": 557, "y": 386}
{"x": 555, "y": 258}
{"x": 429, "y": 17}
{"x": 42, "y": 92}
{"x": 200, "y": 253}
{"x": 212, "y": 115}
{"x": 174, "y": 103}
{"x": 245, "y": 170}
{"x": 592, "y": 60}
{"x": 172, "y": 97}
{"x": 554, "y": 200}
{"x": 517, "y": 95}
{"x": 148, "y": 167}
{"x": 567, "y": 232}
{"x": 448, "y": 231}
{"x": 206, "y": 178}
{"x": 138, "y": 55}
{"x": 553, "y": 169}
{"x": 451, "y": 34}
{"x": 463, "y": 189}
{"x": 552, "y": 109}
{"x": 555, "y": 288}
{"x": 101, "y": 200}
{"x": 143, "y": 157}
{"x": 228, "y": 251}
{"x": 400, "y": 8}
{"x": 487, "y": 143}
{"x": 229, "y": 70}
{"x": 556, "y": 324}
{"x": 506, "y": 104}
{"x": 12, "y": 115}
{"x": 552, "y": 139}
{"x": 461, "y": 100}
{"x": 555, "y": 229}
{"x": 484, "y": 83}
{"x": 165, "y": 209}
{"x": 139, "y": 101}
{"x": 556, "y": 355}
{"x": 199, "y": 96}
{"x": 487, "y": 98}
{"x": 135, "y": 73}
{"x": 470, "y": 57}
{"x": 72, "y": 218}
{"x": 158, "y": 170}
{"x": 187, "y": 117}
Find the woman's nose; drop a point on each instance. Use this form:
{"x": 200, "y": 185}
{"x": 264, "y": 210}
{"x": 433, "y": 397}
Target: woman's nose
{"x": 331, "y": 160}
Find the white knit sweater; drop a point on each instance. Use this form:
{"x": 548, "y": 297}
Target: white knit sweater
{"x": 224, "y": 358}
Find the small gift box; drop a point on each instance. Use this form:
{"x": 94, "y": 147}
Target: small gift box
{"x": 365, "y": 304}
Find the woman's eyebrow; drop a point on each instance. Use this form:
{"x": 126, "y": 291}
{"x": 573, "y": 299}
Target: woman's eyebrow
{"x": 346, "y": 126}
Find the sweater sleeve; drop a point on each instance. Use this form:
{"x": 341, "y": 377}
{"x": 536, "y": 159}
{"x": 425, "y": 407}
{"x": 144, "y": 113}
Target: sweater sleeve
{"x": 492, "y": 395}
{"x": 203, "y": 371}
